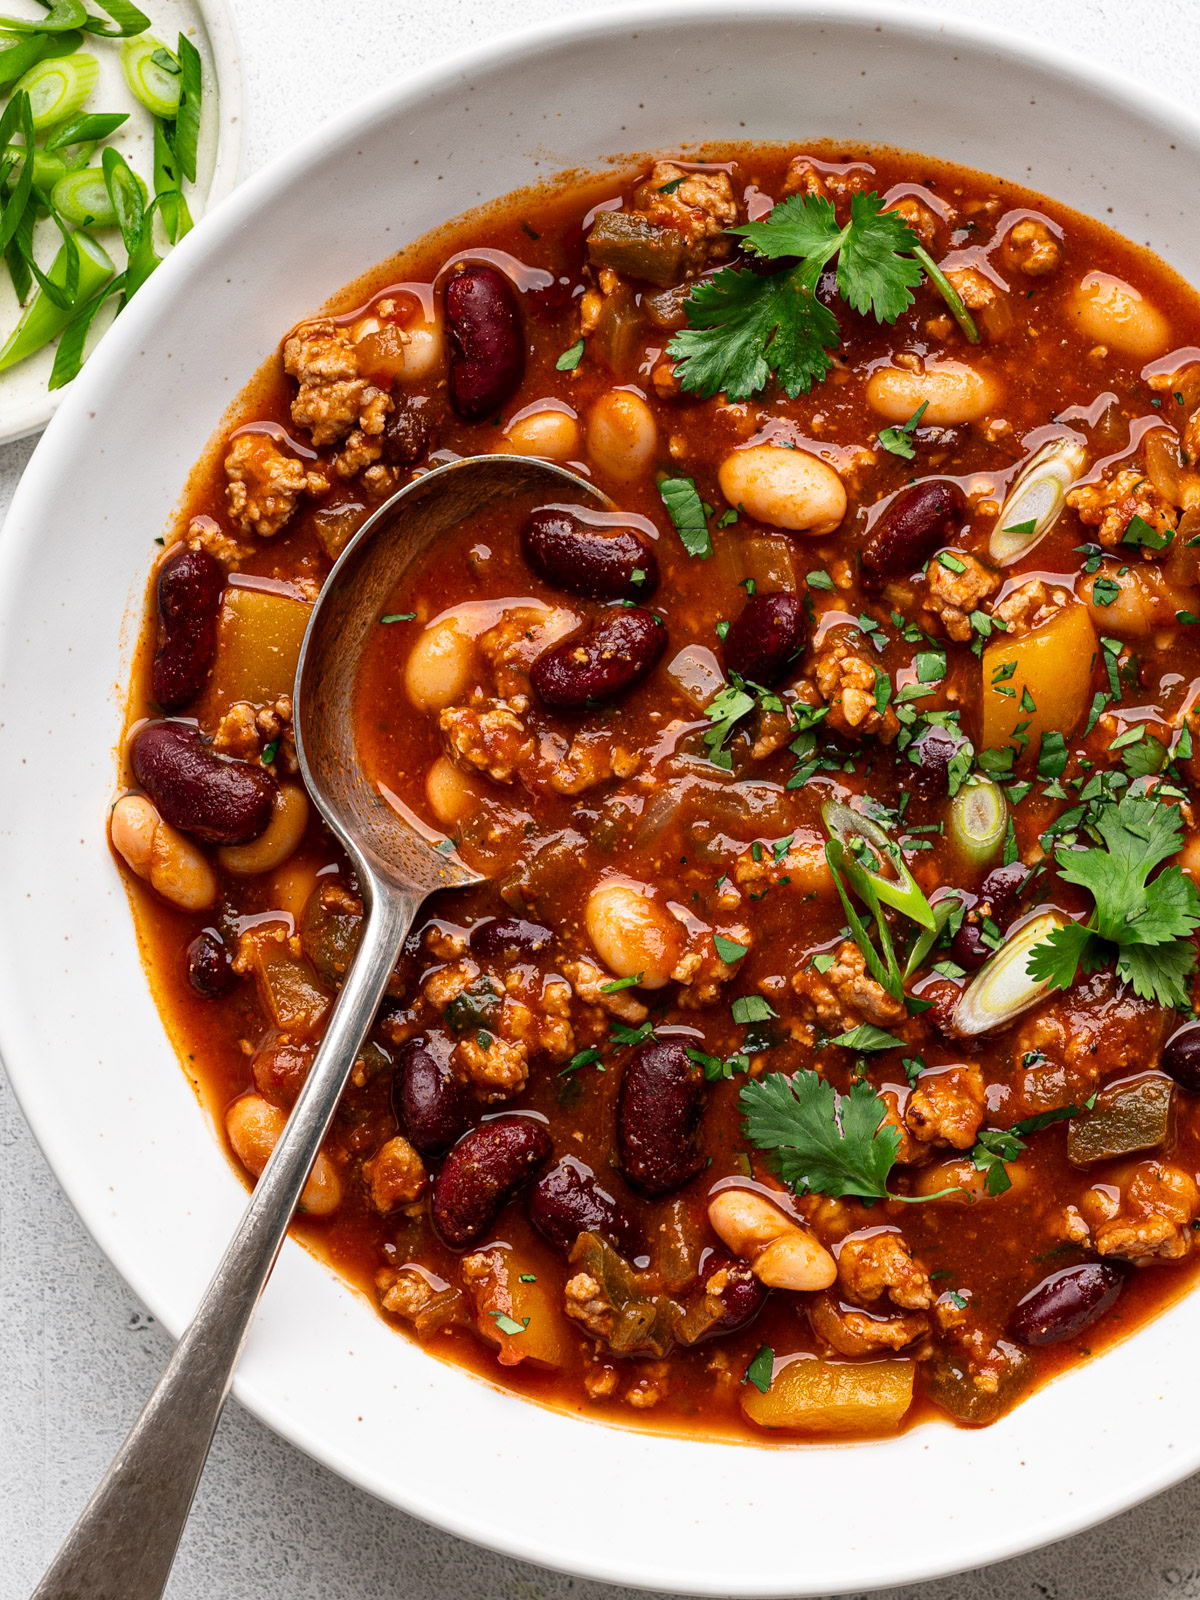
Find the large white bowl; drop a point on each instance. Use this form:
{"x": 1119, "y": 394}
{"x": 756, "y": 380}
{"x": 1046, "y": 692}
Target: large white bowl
{"x": 81, "y": 1037}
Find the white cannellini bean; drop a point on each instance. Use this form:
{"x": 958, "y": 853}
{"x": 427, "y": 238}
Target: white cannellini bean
{"x": 451, "y": 794}
{"x": 784, "y": 488}
{"x": 424, "y": 350}
{"x": 781, "y": 1254}
{"x": 951, "y": 391}
{"x": 1116, "y": 314}
{"x": 254, "y": 1127}
{"x": 622, "y": 436}
{"x": 553, "y": 435}
{"x": 633, "y": 934}
{"x": 440, "y": 666}
{"x": 280, "y": 838}
{"x": 173, "y": 866}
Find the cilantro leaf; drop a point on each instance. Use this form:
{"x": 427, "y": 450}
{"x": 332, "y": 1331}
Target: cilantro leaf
{"x": 686, "y": 510}
{"x": 898, "y": 441}
{"x": 745, "y": 326}
{"x": 867, "y": 1037}
{"x": 825, "y": 1144}
{"x": 724, "y": 711}
{"x": 1149, "y": 921}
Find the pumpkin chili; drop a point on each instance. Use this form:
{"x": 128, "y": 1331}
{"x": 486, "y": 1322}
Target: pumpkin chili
{"x": 819, "y": 1054}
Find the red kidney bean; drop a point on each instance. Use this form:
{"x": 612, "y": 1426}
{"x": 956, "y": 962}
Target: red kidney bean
{"x": 430, "y": 1103}
{"x": 764, "y": 641}
{"x": 602, "y": 661}
{"x": 967, "y": 947}
{"x": 931, "y": 756}
{"x": 1181, "y": 1057}
{"x": 209, "y": 967}
{"x": 1066, "y": 1303}
{"x": 483, "y": 1171}
{"x": 567, "y": 1201}
{"x": 189, "y": 589}
{"x": 573, "y": 555}
{"x": 744, "y": 1295}
{"x": 280, "y": 1069}
{"x": 209, "y": 796}
{"x": 913, "y": 526}
{"x": 408, "y": 432}
{"x": 509, "y": 938}
{"x": 487, "y": 342}
{"x": 658, "y": 1114}
{"x": 1001, "y": 889}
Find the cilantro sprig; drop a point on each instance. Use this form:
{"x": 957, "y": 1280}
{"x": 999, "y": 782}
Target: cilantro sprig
{"x": 746, "y": 326}
{"x": 823, "y": 1142}
{"x": 1144, "y": 923}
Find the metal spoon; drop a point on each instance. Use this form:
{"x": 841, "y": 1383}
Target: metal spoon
{"x": 124, "y": 1543}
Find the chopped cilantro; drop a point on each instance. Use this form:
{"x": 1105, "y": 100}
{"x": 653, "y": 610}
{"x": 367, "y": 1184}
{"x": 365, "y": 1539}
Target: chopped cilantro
{"x": 400, "y": 616}
{"x": 728, "y": 949}
{"x": 899, "y": 440}
{"x": 686, "y": 510}
{"x": 761, "y": 1369}
{"x": 570, "y": 359}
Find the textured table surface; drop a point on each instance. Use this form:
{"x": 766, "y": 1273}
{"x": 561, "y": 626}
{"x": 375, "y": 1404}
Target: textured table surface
{"x": 78, "y": 1354}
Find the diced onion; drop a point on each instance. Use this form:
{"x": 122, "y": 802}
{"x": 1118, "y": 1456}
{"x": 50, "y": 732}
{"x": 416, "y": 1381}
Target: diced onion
{"x": 1002, "y": 989}
{"x": 979, "y": 820}
{"x": 1037, "y": 496}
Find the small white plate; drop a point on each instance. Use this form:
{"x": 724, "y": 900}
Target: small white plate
{"x": 25, "y": 402}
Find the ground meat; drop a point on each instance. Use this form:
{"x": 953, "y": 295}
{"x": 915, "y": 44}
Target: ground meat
{"x": 1110, "y": 506}
{"x": 922, "y": 221}
{"x": 870, "y": 1264}
{"x": 265, "y": 485}
{"x": 414, "y": 1294}
{"x": 769, "y": 732}
{"x": 946, "y": 1106}
{"x": 1071, "y": 1043}
{"x": 395, "y": 1175}
{"x": 1153, "y": 1218}
{"x": 701, "y": 208}
{"x": 652, "y": 1384}
{"x": 204, "y": 534}
{"x": 847, "y": 684}
{"x": 585, "y": 1302}
{"x": 245, "y": 730}
{"x": 488, "y": 735}
{"x": 951, "y": 595}
{"x": 588, "y": 981}
{"x": 909, "y": 1151}
{"x": 332, "y": 398}
{"x": 700, "y": 972}
{"x": 511, "y": 647}
{"x": 495, "y": 1065}
{"x": 804, "y": 177}
{"x": 592, "y": 759}
{"x": 852, "y": 1332}
{"x": 974, "y": 288}
{"x": 845, "y": 996}
{"x": 1028, "y": 606}
{"x": 1031, "y": 248}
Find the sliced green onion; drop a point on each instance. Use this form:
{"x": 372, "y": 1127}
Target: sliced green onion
{"x": 157, "y": 89}
{"x": 58, "y": 87}
{"x": 83, "y": 199}
{"x": 129, "y": 20}
{"x": 88, "y": 128}
{"x": 47, "y": 170}
{"x": 949, "y": 294}
{"x": 1002, "y": 988}
{"x": 187, "y": 123}
{"x": 942, "y": 910}
{"x": 68, "y": 358}
{"x": 18, "y": 213}
{"x": 63, "y": 14}
{"x": 172, "y": 207}
{"x": 1036, "y": 499}
{"x": 21, "y": 52}
{"x": 978, "y": 820}
{"x": 897, "y": 888}
{"x": 42, "y": 320}
{"x": 128, "y": 195}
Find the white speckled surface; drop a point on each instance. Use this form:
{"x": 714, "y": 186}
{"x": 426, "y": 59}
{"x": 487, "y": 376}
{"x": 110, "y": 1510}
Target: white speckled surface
{"x": 77, "y": 1354}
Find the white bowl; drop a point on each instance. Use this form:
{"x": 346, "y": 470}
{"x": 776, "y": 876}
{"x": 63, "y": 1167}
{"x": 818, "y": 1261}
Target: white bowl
{"x": 83, "y": 1042}
{"x": 26, "y": 404}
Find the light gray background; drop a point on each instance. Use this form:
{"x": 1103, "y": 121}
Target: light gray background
{"x": 78, "y": 1354}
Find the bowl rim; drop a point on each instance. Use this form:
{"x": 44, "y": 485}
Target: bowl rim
{"x": 19, "y": 1055}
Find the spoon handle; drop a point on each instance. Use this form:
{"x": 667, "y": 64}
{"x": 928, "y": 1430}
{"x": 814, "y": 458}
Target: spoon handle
{"x": 124, "y": 1543}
